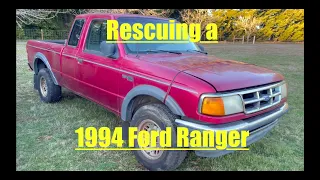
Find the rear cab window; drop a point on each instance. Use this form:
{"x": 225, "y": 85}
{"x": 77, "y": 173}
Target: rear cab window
{"x": 76, "y": 32}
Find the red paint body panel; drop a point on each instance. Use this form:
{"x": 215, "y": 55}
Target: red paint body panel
{"x": 184, "y": 77}
{"x": 224, "y": 75}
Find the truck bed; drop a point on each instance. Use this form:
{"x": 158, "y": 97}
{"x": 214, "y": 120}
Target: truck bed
{"x": 51, "y": 49}
{"x": 54, "y": 41}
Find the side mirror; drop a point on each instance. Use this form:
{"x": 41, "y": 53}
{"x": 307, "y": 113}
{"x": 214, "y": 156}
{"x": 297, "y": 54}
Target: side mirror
{"x": 65, "y": 42}
{"x": 201, "y": 47}
{"x": 107, "y": 49}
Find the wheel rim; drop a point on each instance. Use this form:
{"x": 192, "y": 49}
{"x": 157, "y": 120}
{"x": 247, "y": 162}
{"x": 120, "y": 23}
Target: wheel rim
{"x": 43, "y": 86}
{"x": 149, "y": 125}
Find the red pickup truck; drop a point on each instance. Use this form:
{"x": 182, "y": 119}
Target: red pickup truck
{"x": 158, "y": 85}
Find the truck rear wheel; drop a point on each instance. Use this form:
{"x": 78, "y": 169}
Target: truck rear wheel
{"x": 157, "y": 117}
{"x": 48, "y": 91}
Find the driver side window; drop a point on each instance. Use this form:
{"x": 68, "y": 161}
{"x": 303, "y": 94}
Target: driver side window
{"x": 97, "y": 34}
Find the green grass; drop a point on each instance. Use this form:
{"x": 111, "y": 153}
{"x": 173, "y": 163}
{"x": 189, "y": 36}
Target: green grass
{"x": 45, "y": 138}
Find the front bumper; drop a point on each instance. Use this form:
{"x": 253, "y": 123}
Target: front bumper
{"x": 258, "y": 126}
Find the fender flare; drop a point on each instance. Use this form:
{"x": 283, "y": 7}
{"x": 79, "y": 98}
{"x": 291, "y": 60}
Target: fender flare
{"x": 43, "y": 58}
{"x": 151, "y": 91}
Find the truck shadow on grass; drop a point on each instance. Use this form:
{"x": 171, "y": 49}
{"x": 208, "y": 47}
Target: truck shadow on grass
{"x": 68, "y": 95}
{"x": 89, "y": 110}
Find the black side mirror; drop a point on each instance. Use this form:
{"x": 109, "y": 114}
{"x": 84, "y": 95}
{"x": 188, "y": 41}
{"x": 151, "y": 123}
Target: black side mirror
{"x": 107, "y": 49}
{"x": 201, "y": 47}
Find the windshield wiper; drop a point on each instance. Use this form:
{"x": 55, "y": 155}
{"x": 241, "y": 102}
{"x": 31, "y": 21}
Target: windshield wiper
{"x": 192, "y": 50}
{"x": 160, "y": 50}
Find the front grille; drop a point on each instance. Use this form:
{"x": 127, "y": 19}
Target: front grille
{"x": 261, "y": 98}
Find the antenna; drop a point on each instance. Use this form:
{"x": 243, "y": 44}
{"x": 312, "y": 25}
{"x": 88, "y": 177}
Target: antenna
{"x": 137, "y": 50}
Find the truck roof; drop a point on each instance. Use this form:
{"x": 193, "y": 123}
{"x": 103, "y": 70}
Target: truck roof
{"x": 102, "y": 15}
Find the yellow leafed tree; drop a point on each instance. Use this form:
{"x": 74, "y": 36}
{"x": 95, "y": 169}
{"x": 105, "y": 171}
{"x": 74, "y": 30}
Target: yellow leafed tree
{"x": 248, "y": 24}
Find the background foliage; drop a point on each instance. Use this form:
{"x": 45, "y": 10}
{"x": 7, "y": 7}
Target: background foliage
{"x": 285, "y": 25}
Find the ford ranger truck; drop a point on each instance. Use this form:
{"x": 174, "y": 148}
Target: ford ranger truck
{"x": 157, "y": 85}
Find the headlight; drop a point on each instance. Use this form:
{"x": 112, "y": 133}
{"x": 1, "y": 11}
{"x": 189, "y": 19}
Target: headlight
{"x": 220, "y": 106}
{"x": 284, "y": 90}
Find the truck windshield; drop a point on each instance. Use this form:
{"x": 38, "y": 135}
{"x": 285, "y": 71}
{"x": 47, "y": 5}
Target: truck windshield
{"x": 154, "y": 47}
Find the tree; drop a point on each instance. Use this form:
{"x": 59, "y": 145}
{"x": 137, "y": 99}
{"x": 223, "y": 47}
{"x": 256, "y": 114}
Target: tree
{"x": 201, "y": 16}
{"x": 33, "y": 16}
{"x": 269, "y": 26}
{"x": 45, "y": 17}
{"x": 276, "y": 24}
{"x": 225, "y": 22}
{"x": 282, "y": 24}
{"x": 248, "y": 24}
{"x": 146, "y": 12}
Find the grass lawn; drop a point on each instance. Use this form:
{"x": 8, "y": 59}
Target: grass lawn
{"x": 45, "y": 138}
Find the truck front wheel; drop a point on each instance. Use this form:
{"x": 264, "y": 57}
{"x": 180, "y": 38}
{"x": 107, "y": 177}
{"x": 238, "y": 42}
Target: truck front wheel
{"x": 157, "y": 117}
{"x": 48, "y": 91}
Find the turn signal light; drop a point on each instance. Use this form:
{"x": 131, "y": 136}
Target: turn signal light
{"x": 213, "y": 106}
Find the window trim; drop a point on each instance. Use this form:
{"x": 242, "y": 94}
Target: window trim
{"x": 84, "y": 21}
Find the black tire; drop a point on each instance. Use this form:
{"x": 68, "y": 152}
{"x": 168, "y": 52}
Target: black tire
{"x": 53, "y": 92}
{"x": 162, "y": 116}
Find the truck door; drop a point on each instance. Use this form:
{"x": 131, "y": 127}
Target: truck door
{"x": 69, "y": 61}
{"x": 99, "y": 75}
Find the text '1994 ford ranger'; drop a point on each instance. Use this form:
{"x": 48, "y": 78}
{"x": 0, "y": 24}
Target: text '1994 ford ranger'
{"x": 158, "y": 85}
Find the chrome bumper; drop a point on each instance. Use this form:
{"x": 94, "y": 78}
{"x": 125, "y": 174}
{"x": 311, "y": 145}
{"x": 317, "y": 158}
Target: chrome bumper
{"x": 258, "y": 126}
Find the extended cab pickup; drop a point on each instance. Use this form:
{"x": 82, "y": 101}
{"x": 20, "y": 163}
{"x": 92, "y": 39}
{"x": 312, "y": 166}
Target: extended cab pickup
{"x": 158, "y": 85}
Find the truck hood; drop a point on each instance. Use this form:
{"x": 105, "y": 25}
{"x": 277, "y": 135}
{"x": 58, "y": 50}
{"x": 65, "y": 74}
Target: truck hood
{"x": 224, "y": 75}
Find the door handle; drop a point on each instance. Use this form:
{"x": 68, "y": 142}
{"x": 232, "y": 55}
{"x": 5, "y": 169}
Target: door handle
{"x": 79, "y": 60}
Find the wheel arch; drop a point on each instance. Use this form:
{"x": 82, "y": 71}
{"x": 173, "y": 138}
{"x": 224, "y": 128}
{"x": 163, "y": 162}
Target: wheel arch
{"x": 154, "y": 94}
{"x": 41, "y": 57}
